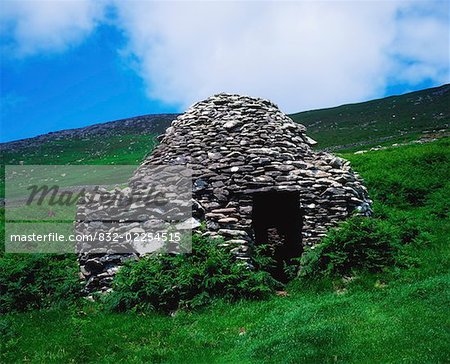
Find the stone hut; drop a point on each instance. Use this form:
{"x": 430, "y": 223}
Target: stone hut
{"x": 256, "y": 178}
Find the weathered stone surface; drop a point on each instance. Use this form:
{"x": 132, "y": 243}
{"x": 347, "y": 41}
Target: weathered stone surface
{"x": 237, "y": 146}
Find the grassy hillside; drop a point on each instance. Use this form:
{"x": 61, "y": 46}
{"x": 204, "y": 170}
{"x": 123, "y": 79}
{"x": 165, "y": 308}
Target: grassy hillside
{"x": 392, "y": 118}
{"x": 398, "y": 315}
{"x": 115, "y": 149}
{"x": 118, "y": 142}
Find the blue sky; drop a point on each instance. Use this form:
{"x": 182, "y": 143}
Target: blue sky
{"x": 84, "y": 85}
{"x": 75, "y": 63}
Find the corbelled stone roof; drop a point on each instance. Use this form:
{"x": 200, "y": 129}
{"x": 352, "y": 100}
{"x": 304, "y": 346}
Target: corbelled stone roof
{"x": 220, "y": 129}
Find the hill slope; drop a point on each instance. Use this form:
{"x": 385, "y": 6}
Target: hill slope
{"x": 127, "y": 141}
{"x": 379, "y": 120}
{"x": 123, "y": 141}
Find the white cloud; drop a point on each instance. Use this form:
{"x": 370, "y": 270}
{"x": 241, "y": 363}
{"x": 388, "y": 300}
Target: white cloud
{"x": 300, "y": 54}
{"x": 33, "y": 27}
{"x": 422, "y": 43}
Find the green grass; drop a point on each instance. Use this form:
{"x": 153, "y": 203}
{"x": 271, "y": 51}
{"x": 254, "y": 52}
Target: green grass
{"x": 395, "y": 118}
{"x": 408, "y": 176}
{"x": 403, "y": 322}
{"x": 399, "y": 315}
{"x": 127, "y": 149}
{"x": 116, "y": 149}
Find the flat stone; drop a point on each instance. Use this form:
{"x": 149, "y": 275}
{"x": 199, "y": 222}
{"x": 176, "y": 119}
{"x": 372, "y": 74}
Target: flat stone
{"x": 237, "y": 241}
{"x": 227, "y": 210}
{"x": 227, "y": 220}
{"x": 188, "y": 224}
{"x": 231, "y": 124}
{"x": 214, "y": 156}
{"x": 230, "y": 232}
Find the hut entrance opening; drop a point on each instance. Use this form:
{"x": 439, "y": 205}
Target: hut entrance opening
{"x": 277, "y": 222}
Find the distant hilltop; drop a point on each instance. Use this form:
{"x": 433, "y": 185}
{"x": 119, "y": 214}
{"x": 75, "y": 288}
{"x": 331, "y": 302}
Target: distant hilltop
{"x": 346, "y": 126}
{"x": 145, "y": 124}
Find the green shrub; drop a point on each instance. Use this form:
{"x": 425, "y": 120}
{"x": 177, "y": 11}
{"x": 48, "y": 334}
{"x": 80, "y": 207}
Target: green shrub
{"x": 439, "y": 202}
{"x": 37, "y": 281}
{"x": 166, "y": 282}
{"x": 359, "y": 244}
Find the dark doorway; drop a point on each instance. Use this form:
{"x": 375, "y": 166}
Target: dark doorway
{"x": 277, "y": 222}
